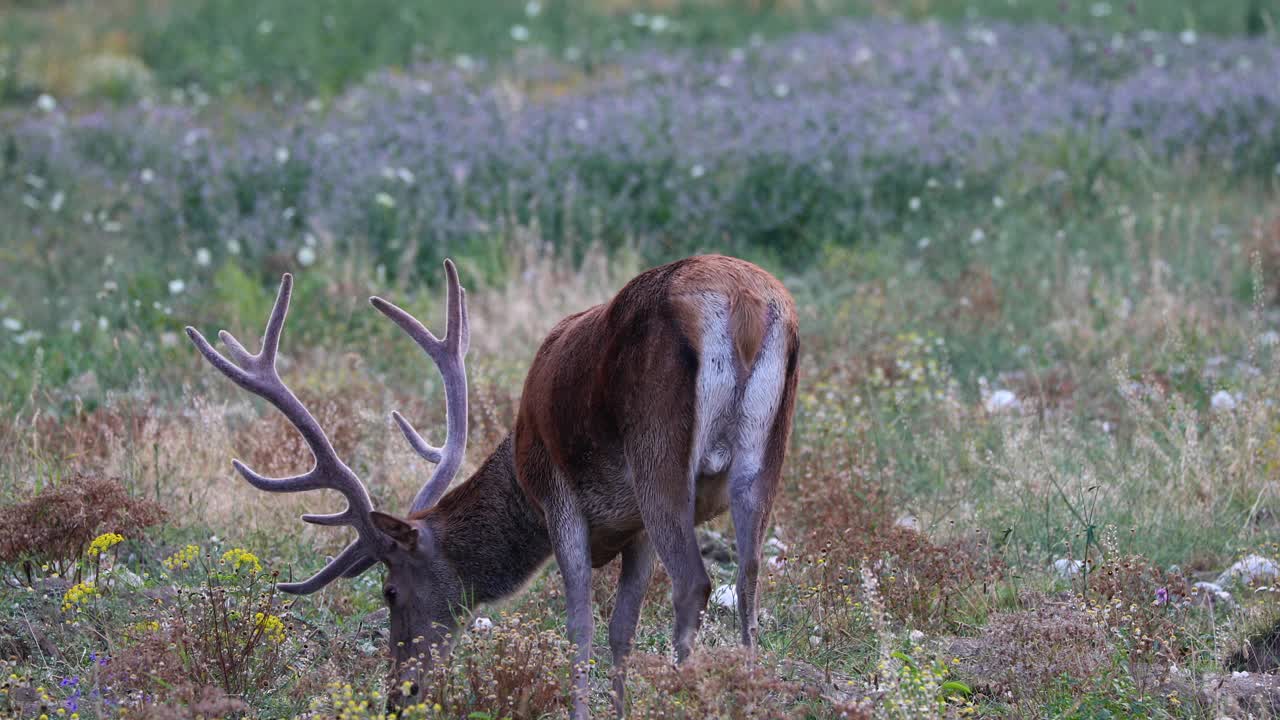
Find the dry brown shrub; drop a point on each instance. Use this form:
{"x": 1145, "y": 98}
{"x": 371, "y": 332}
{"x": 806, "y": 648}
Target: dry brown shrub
{"x": 188, "y": 702}
{"x": 61, "y": 520}
{"x": 1022, "y": 653}
{"x": 719, "y": 684}
{"x": 510, "y": 670}
{"x": 148, "y": 664}
{"x": 1138, "y": 601}
{"x": 849, "y": 522}
{"x": 1265, "y": 247}
{"x": 977, "y": 299}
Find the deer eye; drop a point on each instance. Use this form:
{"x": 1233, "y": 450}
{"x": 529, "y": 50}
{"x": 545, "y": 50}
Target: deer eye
{"x": 390, "y": 594}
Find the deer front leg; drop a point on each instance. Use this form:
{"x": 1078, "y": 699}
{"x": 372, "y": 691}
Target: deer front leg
{"x": 637, "y": 571}
{"x": 571, "y": 541}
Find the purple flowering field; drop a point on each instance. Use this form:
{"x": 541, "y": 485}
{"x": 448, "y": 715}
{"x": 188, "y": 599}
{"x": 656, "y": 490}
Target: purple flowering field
{"x": 1036, "y": 255}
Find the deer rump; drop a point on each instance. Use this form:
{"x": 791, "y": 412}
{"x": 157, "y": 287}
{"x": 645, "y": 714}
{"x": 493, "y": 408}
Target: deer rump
{"x": 675, "y": 386}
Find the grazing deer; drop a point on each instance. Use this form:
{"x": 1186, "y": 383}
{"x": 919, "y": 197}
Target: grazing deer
{"x": 640, "y": 418}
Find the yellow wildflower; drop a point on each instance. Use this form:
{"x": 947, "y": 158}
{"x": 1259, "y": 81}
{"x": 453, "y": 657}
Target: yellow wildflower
{"x": 272, "y": 626}
{"x": 104, "y": 542}
{"x": 182, "y": 559}
{"x": 78, "y": 594}
{"x": 239, "y": 557}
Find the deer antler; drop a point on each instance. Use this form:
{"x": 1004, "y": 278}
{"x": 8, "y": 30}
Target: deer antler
{"x": 448, "y": 355}
{"x": 257, "y": 374}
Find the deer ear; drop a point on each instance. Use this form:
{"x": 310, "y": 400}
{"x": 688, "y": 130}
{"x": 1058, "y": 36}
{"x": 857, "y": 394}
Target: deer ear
{"x": 405, "y": 535}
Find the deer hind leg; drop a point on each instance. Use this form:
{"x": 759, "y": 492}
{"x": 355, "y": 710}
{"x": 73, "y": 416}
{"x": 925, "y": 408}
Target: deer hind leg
{"x": 637, "y": 571}
{"x": 754, "y": 476}
{"x": 664, "y": 487}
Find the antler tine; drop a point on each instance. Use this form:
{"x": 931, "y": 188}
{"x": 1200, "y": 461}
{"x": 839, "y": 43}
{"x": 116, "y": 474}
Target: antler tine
{"x": 352, "y": 556}
{"x": 257, "y": 374}
{"x": 448, "y": 356}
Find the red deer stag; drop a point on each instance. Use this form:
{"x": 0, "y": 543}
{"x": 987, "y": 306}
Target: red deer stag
{"x": 640, "y": 418}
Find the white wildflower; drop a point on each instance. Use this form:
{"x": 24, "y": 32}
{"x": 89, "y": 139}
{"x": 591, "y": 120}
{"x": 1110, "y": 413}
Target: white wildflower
{"x": 697, "y": 171}
{"x": 56, "y": 202}
{"x": 147, "y": 176}
{"x": 1188, "y": 37}
{"x": 282, "y": 155}
{"x": 1002, "y": 401}
{"x": 533, "y": 8}
{"x": 1222, "y": 401}
{"x": 177, "y": 286}
{"x": 46, "y": 103}
{"x": 12, "y": 324}
{"x": 914, "y": 204}
{"x": 384, "y": 200}
{"x": 306, "y": 256}
{"x": 203, "y": 257}
{"x": 519, "y": 33}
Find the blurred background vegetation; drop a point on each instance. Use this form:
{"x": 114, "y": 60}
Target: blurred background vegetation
{"x": 321, "y": 46}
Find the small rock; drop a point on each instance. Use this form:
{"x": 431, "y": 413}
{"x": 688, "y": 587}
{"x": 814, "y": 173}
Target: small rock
{"x": 916, "y": 636}
{"x": 1222, "y": 401}
{"x": 127, "y": 576}
{"x": 775, "y": 562}
{"x": 726, "y": 597}
{"x": 1067, "y": 568}
{"x": 1250, "y": 570}
{"x": 775, "y": 545}
{"x": 1002, "y": 401}
{"x": 1211, "y": 594}
{"x": 908, "y": 522}
{"x": 482, "y": 624}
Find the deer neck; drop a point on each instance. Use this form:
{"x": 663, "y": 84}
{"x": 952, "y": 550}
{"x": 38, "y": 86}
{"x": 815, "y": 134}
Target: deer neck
{"x": 494, "y": 538}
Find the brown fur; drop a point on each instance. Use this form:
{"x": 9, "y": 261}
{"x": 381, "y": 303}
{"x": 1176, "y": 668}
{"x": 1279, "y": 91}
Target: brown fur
{"x": 601, "y": 463}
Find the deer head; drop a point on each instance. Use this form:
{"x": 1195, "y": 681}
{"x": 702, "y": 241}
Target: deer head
{"x": 422, "y": 591}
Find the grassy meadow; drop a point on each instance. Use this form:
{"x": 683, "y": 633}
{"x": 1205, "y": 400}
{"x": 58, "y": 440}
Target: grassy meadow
{"x": 1035, "y": 246}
